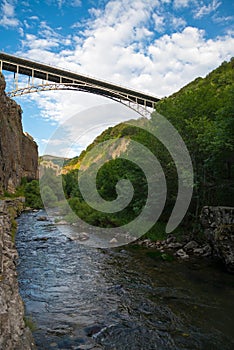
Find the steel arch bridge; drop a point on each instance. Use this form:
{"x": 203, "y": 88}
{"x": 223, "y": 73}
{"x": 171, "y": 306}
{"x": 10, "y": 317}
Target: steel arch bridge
{"x": 54, "y": 78}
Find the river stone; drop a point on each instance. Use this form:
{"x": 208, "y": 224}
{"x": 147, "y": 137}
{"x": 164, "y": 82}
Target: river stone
{"x": 83, "y": 236}
{"x": 92, "y": 330}
{"x": 175, "y": 245}
{"x": 182, "y": 254}
{"x": 170, "y": 239}
{"x": 113, "y": 240}
{"x": 62, "y": 222}
{"x": 42, "y": 218}
{"x": 190, "y": 245}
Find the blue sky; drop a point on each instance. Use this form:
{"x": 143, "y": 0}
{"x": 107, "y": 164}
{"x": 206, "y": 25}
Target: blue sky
{"x": 156, "y": 46}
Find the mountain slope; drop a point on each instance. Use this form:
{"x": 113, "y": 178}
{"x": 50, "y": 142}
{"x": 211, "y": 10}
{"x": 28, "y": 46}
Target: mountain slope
{"x": 203, "y": 114}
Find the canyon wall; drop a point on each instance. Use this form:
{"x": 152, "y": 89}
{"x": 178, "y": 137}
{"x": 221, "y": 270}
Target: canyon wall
{"x": 18, "y": 151}
{"x": 14, "y": 334}
{"x": 18, "y": 159}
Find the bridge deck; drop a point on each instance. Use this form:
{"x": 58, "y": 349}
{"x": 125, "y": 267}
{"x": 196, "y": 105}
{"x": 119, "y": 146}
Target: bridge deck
{"x": 57, "y": 75}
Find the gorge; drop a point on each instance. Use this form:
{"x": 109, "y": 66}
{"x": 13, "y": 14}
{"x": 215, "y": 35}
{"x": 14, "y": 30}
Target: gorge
{"x": 131, "y": 297}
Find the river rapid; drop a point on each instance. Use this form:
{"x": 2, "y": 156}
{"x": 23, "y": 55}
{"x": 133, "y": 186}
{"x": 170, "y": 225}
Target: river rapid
{"x": 123, "y": 298}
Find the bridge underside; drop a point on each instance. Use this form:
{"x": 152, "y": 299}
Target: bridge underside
{"x": 58, "y": 79}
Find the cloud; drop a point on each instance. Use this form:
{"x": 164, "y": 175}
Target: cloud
{"x": 182, "y": 3}
{"x": 207, "y": 9}
{"x": 34, "y": 18}
{"x": 8, "y": 18}
{"x": 73, "y": 3}
{"x": 177, "y": 22}
{"x": 72, "y": 136}
{"x": 222, "y": 19}
{"x": 159, "y": 22}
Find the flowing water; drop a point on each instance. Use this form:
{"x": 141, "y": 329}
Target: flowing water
{"x": 79, "y": 297}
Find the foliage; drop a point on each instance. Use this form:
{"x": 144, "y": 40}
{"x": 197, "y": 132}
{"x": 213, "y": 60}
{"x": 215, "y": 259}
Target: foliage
{"x": 203, "y": 113}
{"x": 32, "y": 195}
{"x": 28, "y": 321}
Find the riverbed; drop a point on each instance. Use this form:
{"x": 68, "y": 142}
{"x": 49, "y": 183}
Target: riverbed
{"x": 125, "y": 298}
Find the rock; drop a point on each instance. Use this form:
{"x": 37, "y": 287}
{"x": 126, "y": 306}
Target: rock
{"x": 19, "y": 155}
{"x": 83, "y": 236}
{"x": 170, "y": 239}
{"x": 113, "y": 240}
{"x": 182, "y": 254}
{"x": 13, "y": 332}
{"x": 198, "y": 251}
{"x": 62, "y": 222}
{"x": 190, "y": 246}
{"x": 41, "y": 239}
{"x": 42, "y": 218}
{"x": 175, "y": 245}
{"x": 92, "y": 330}
{"x": 219, "y": 231}
{"x": 75, "y": 224}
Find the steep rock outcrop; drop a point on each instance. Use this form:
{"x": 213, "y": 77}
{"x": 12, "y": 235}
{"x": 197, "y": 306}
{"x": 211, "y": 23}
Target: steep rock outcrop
{"x": 18, "y": 151}
{"x": 218, "y": 223}
{"x": 14, "y": 335}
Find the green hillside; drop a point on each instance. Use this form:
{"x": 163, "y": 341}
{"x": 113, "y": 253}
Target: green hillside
{"x": 203, "y": 114}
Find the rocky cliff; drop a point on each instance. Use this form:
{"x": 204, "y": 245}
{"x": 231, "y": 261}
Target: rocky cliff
{"x": 18, "y": 151}
{"x": 14, "y": 335}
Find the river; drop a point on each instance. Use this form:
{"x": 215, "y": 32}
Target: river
{"x": 124, "y": 298}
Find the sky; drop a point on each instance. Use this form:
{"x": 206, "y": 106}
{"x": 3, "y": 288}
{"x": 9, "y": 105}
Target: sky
{"x": 154, "y": 46}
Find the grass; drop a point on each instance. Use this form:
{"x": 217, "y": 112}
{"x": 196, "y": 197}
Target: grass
{"x": 28, "y": 321}
{"x": 158, "y": 232}
{"x": 158, "y": 255}
{"x": 13, "y": 229}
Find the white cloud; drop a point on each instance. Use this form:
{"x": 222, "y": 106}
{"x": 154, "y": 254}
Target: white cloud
{"x": 178, "y": 22}
{"x": 222, "y": 19}
{"x": 76, "y": 3}
{"x": 7, "y": 18}
{"x": 8, "y": 9}
{"x": 182, "y": 3}
{"x": 181, "y": 57}
{"x": 159, "y": 22}
{"x": 73, "y": 3}
{"x": 71, "y": 137}
{"x": 34, "y": 18}
{"x": 207, "y": 9}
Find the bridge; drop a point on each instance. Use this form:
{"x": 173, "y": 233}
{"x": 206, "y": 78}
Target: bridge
{"x": 54, "y": 78}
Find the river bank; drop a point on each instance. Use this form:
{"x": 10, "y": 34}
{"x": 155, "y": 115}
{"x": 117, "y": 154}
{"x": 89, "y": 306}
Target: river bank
{"x": 216, "y": 240}
{"x": 14, "y": 334}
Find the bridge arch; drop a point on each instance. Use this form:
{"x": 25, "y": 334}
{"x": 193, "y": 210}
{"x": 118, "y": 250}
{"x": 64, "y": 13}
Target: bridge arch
{"x": 55, "y": 78}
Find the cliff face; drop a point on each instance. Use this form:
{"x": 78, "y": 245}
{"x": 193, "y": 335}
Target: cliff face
{"x": 18, "y": 151}
{"x": 14, "y": 335}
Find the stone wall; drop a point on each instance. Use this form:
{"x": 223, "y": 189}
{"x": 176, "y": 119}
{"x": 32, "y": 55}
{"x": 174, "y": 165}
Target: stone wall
{"x": 18, "y": 151}
{"x": 14, "y": 335}
{"x": 218, "y": 223}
